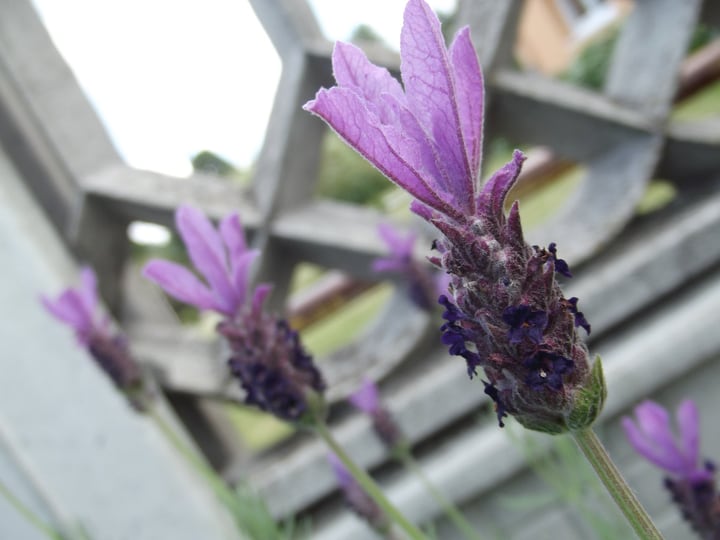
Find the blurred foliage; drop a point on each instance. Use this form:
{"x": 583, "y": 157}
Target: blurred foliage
{"x": 591, "y": 65}
{"x": 365, "y": 34}
{"x": 571, "y": 481}
{"x": 345, "y": 176}
{"x": 211, "y": 163}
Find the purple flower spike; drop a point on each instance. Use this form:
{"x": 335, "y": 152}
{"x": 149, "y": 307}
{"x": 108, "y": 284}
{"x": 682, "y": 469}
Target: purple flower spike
{"x": 80, "y": 309}
{"x": 504, "y": 310}
{"x": 272, "y": 366}
{"x": 691, "y": 485}
{"x": 367, "y": 399}
{"x": 423, "y": 287}
{"x": 356, "y": 497}
{"x": 221, "y": 256}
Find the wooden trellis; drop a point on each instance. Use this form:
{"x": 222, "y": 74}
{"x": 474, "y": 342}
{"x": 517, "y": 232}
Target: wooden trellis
{"x": 649, "y": 286}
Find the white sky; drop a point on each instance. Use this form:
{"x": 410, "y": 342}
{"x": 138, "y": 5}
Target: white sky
{"x": 170, "y": 78}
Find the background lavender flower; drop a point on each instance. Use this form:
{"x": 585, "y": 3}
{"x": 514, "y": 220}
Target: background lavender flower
{"x": 504, "y": 310}
{"x": 691, "y": 485}
{"x": 79, "y": 309}
{"x": 356, "y": 497}
{"x": 424, "y": 286}
{"x": 267, "y": 357}
{"x": 367, "y": 399}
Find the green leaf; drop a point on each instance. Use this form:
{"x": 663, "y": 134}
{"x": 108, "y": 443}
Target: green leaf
{"x": 589, "y": 400}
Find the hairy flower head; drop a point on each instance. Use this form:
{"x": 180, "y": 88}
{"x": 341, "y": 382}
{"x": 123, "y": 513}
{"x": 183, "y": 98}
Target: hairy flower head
{"x": 504, "y": 310}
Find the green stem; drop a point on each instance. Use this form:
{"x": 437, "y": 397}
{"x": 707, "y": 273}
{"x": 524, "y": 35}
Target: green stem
{"x": 367, "y": 483}
{"x": 222, "y": 491}
{"x": 626, "y": 500}
{"x": 452, "y": 512}
{"x": 28, "y": 514}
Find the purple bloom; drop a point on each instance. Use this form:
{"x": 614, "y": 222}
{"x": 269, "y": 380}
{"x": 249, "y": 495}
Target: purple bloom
{"x": 691, "y": 485}
{"x": 79, "y": 309}
{"x": 356, "y": 497}
{"x": 525, "y": 323}
{"x": 426, "y": 136}
{"x": 424, "y": 287}
{"x": 271, "y": 364}
{"x": 653, "y": 438}
{"x": 367, "y": 399}
{"x": 221, "y": 256}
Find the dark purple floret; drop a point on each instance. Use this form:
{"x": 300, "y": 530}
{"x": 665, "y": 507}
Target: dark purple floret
{"x": 580, "y": 320}
{"x": 547, "y": 369}
{"x": 271, "y": 364}
{"x": 456, "y": 337}
{"x": 698, "y": 502}
{"x": 500, "y": 410}
{"x": 561, "y": 267}
{"x": 525, "y": 323}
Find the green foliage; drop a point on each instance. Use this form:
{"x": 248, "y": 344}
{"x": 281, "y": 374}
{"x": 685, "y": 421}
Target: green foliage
{"x": 345, "y": 176}
{"x": 591, "y": 65}
{"x": 254, "y": 519}
{"x": 572, "y": 483}
{"x": 209, "y": 162}
{"x": 702, "y": 35}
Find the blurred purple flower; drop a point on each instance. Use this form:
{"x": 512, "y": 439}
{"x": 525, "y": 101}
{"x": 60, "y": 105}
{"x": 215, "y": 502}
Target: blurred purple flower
{"x": 221, "y": 256}
{"x": 356, "y": 497}
{"x": 367, "y": 399}
{"x": 267, "y": 356}
{"x": 79, "y": 308}
{"x": 691, "y": 485}
{"x": 426, "y": 136}
{"x": 424, "y": 285}
{"x": 652, "y": 437}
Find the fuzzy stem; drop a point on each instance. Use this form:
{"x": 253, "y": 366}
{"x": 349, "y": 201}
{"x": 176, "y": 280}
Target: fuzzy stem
{"x": 452, "y": 512}
{"x": 28, "y": 514}
{"x": 616, "y": 485}
{"x": 367, "y": 483}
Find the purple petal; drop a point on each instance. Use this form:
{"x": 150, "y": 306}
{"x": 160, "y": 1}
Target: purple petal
{"x": 88, "y": 290}
{"x": 241, "y": 273}
{"x": 688, "y": 420}
{"x": 388, "y": 265}
{"x": 366, "y": 398}
{"x": 400, "y": 245}
{"x": 349, "y": 116}
{"x": 647, "y": 448}
{"x": 491, "y": 199}
{"x": 70, "y": 309}
{"x": 206, "y": 251}
{"x": 261, "y": 293}
{"x": 180, "y": 283}
{"x": 430, "y": 90}
{"x": 233, "y": 236}
{"x": 470, "y": 97}
{"x": 353, "y": 70}
{"x": 241, "y": 258}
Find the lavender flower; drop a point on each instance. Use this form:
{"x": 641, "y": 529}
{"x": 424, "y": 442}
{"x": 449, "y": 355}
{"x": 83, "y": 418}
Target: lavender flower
{"x": 276, "y": 373}
{"x": 424, "y": 287}
{"x": 691, "y": 485}
{"x": 356, "y": 497}
{"x": 367, "y": 399}
{"x": 504, "y": 311}
{"x": 79, "y": 309}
